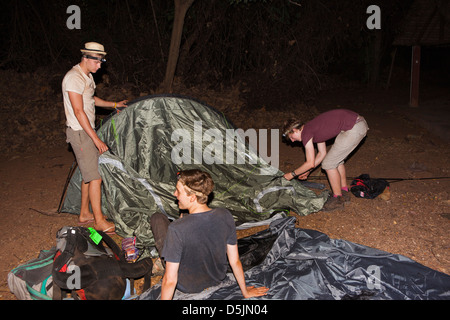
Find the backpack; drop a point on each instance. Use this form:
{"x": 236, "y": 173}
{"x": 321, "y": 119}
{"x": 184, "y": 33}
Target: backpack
{"x": 86, "y": 269}
{"x": 33, "y": 279}
{"x": 366, "y": 187}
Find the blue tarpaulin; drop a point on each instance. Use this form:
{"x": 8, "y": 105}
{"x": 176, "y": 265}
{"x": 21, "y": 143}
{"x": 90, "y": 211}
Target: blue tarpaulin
{"x": 305, "y": 264}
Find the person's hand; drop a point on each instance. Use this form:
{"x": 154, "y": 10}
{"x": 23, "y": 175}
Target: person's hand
{"x": 288, "y": 176}
{"x": 256, "y": 292}
{"x": 304, "y": 176}
{"x": 122, "y": 104}
{"x": 101, "y": 146}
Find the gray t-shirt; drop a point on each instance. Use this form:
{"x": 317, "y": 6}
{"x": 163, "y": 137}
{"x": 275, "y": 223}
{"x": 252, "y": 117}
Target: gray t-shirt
{"x": 198, "y": 242}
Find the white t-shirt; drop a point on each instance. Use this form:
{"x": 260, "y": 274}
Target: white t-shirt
{"x": 77, "y": 81}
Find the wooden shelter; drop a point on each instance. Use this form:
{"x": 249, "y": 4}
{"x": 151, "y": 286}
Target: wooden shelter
{"x": 426, "y": 24}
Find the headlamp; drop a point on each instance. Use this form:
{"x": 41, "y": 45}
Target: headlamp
{"x": 94, "y": 58}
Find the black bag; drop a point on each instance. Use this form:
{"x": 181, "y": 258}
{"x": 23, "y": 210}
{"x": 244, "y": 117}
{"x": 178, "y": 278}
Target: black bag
{"x": 88, "y": 270}
{"x": 366, "y": 187}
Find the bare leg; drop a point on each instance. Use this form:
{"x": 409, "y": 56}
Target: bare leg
{"x": 343, "y": 174}
{"x": 85, "y": 213}
{"x": 95, "y": 198}
{"x": 334, "y": 178}
{"x": 159, "y": 225}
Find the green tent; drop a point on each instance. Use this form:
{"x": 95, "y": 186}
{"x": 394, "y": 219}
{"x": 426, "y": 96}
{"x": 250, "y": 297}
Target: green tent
{"x": 157, "y": 136}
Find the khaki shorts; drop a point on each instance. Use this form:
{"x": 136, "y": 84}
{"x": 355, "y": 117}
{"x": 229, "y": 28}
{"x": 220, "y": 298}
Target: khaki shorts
{"x": 344, "y": 144}
{"x": 86, "y": 154}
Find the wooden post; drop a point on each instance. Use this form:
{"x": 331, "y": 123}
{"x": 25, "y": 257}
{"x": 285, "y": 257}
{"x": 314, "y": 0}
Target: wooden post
{"x": 415, "y": 73}
{"x": 391, "y": 68}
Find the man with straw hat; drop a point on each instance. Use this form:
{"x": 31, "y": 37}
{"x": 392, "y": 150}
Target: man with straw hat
{"x": 78, "y": 88}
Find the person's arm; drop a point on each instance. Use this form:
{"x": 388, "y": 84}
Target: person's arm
{"x": 169, "y": 281}
{"x": 322, "y": 152}
{"x": 76, "y": 101}
{"x": 303, "y": 171}
{"x": 236, "y": 266}
{"x": 109, "y": 104}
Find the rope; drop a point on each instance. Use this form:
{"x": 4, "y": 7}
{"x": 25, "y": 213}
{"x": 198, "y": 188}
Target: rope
{"x": 388, "y": 179}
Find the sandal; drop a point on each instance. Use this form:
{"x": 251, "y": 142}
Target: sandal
{"x": 107, "y": 230}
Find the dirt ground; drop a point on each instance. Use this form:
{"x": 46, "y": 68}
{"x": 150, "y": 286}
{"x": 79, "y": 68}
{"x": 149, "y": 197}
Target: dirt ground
{"x": 413, "y": 222}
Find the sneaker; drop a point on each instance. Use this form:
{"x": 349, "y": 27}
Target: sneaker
{"x": 333, "y": 204}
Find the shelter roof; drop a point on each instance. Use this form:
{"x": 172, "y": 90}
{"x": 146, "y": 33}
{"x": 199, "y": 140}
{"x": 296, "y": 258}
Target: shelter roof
{"x": 427, "y": 23}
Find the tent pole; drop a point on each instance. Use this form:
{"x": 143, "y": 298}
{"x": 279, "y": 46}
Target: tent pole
{"x": 69, "y": 176}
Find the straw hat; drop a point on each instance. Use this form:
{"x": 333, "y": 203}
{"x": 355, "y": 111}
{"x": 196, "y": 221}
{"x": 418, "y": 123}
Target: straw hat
{"x": 93, "y": 47}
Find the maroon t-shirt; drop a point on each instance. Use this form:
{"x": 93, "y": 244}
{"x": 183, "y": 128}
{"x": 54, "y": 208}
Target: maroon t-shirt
{"x": 328, "y": 125}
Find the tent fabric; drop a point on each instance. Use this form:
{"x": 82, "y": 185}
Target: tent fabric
{"x": 139, "y": 171}
{"x": 306, "y": 264}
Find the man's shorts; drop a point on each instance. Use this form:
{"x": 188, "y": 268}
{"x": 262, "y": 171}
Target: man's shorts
{"x": 344, "y": 144}
{"x": 86, "y": 154}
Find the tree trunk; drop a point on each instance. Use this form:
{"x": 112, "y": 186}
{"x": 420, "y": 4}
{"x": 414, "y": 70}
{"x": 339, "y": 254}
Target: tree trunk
{"x": 181, "y": 7}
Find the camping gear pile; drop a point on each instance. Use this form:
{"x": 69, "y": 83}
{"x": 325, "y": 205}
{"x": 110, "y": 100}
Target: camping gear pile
{"x": 85, "y": 264}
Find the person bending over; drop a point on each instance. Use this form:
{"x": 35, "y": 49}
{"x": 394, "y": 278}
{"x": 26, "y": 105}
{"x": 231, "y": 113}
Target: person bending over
{"x": 347, "y": 127}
